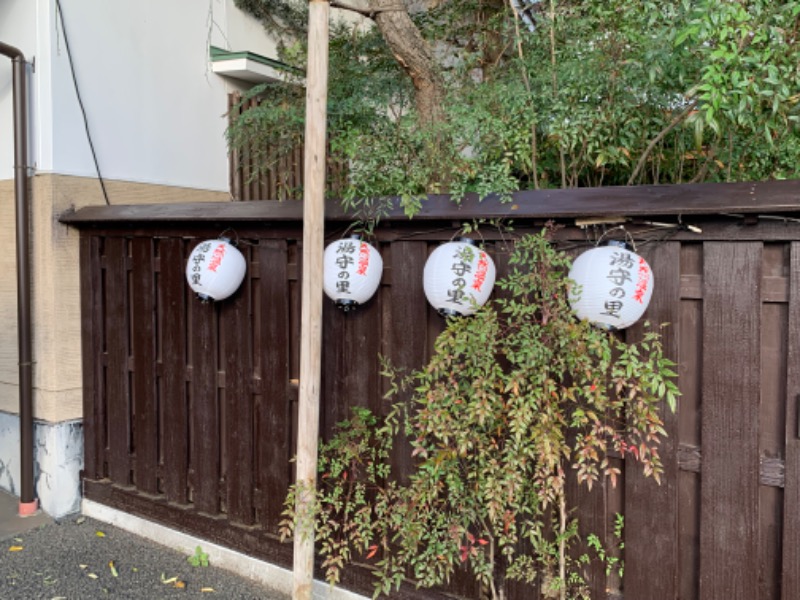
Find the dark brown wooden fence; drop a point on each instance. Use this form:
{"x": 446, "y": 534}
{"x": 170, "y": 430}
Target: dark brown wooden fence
{"x": 190, "y": 407}
{"x": 259, "y": 170}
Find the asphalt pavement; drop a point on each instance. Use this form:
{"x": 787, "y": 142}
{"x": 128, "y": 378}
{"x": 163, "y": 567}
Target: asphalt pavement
{"x": 79, "y": 558}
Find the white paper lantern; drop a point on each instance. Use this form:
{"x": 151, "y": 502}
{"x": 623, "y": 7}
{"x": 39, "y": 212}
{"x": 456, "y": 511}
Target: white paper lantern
{"x": 613, "y": 286}
{"x": 215, "y": 269}
{"x": 458, "y": 278}
{"x": 352, "y": 272}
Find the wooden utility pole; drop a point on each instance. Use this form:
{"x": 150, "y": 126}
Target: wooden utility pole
{"x": 311, "y": 312}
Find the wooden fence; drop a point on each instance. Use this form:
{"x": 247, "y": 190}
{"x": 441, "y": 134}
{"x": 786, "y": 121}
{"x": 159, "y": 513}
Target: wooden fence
{"x": 190, "y": 407}
{"x": 259, "y": 170}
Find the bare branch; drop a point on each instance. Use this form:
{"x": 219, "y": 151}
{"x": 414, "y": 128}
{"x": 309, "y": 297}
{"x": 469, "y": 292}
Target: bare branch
{"x": 662, "y": 134}
{"x": 368, "y": 12}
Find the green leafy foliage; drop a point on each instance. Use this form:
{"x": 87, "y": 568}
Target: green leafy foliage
{"x": 602, "y": 92}
{"x": 513, "y": 402}
{"x": 747, "y": 87}
{"x": 199, "y": 558}
{"x": 612, "y": 562}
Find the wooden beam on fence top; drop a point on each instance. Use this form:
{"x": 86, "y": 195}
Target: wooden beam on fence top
{"x": 311, "y": 303}
{"x": 767, "y": 197}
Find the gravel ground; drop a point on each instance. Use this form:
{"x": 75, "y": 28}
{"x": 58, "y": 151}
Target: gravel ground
{"x": 80, "y": 558}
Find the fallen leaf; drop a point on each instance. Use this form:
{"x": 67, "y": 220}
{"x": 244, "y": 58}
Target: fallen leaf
{"x": 113, "y": 568}
{"x": 15, "y": 549}
{"x": 100, "y": 534}
{"x": 83, "y": 566}
{"x": 165, "y": 581}
{"x": 80, "y": 520}
{"x": 19, "y": 540}
{"x": 92, "y": 575}
{"x": 207, "y": 589}
{"x": 180, "y": 585}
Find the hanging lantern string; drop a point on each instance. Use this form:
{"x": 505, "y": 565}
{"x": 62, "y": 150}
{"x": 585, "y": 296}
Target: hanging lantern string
{"x": 664, "y": 235}
{"x": 234, "y": 233}
{"x": 628, "y": 236}
{"x": 463, "y": 233}
{"x": 363, "y": 227}
{"x": 413, "y": 234}
{"x": 350, "y": 227}
{"x": 365, "y": 232}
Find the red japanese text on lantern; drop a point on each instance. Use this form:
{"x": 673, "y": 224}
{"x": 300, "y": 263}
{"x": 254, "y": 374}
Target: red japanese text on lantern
{"x": 363, "y": 259}
{"x": 216, "y": 258}
{"x": 480, "y": 274}
{"x": 642, "y": 283}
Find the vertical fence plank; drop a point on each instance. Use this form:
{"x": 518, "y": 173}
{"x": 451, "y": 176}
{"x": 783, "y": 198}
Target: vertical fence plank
{"x": 350, "y": 367}
{"x": 117, "y": 374}
{"x": 408, "y": 313}
{"x": 772, "y": 424}
{"x": 731, "y": 386}
{"x": 275, "y": 410}
{"x": 175, "y": 422}
{"x": 205, "y": 434}
{"x": 791, "y": 493}
{"x": 238, "y": 425}
{"x": 234, "y": 165}
{"x": 254, "y": 158}
{"x": 690, "y": 334}
{"x": 294, "y": 170}
{"x": 145, "y": 406}
{"x": 590, "y": 509}
{"x": 91, "y": 281}
{"x": 651, "y": 509}
{"x": 271, "y": 192}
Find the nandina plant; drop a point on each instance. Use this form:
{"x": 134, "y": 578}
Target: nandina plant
{"x": 512, "y": 400}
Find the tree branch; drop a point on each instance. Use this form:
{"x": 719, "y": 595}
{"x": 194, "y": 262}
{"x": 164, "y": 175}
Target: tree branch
{"x": 369, "y": 12}
{"x": 662, "y": 134}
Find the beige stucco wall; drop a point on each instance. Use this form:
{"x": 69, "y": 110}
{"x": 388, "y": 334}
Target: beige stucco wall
{"x": 56, "y": 299}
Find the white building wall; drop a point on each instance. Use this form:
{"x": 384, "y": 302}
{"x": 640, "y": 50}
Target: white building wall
{"x": 156, "y": 112}
{"x": 18, "y": 29}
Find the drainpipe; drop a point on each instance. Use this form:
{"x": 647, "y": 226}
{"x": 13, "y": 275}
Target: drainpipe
{"x": 28, "y": 504}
